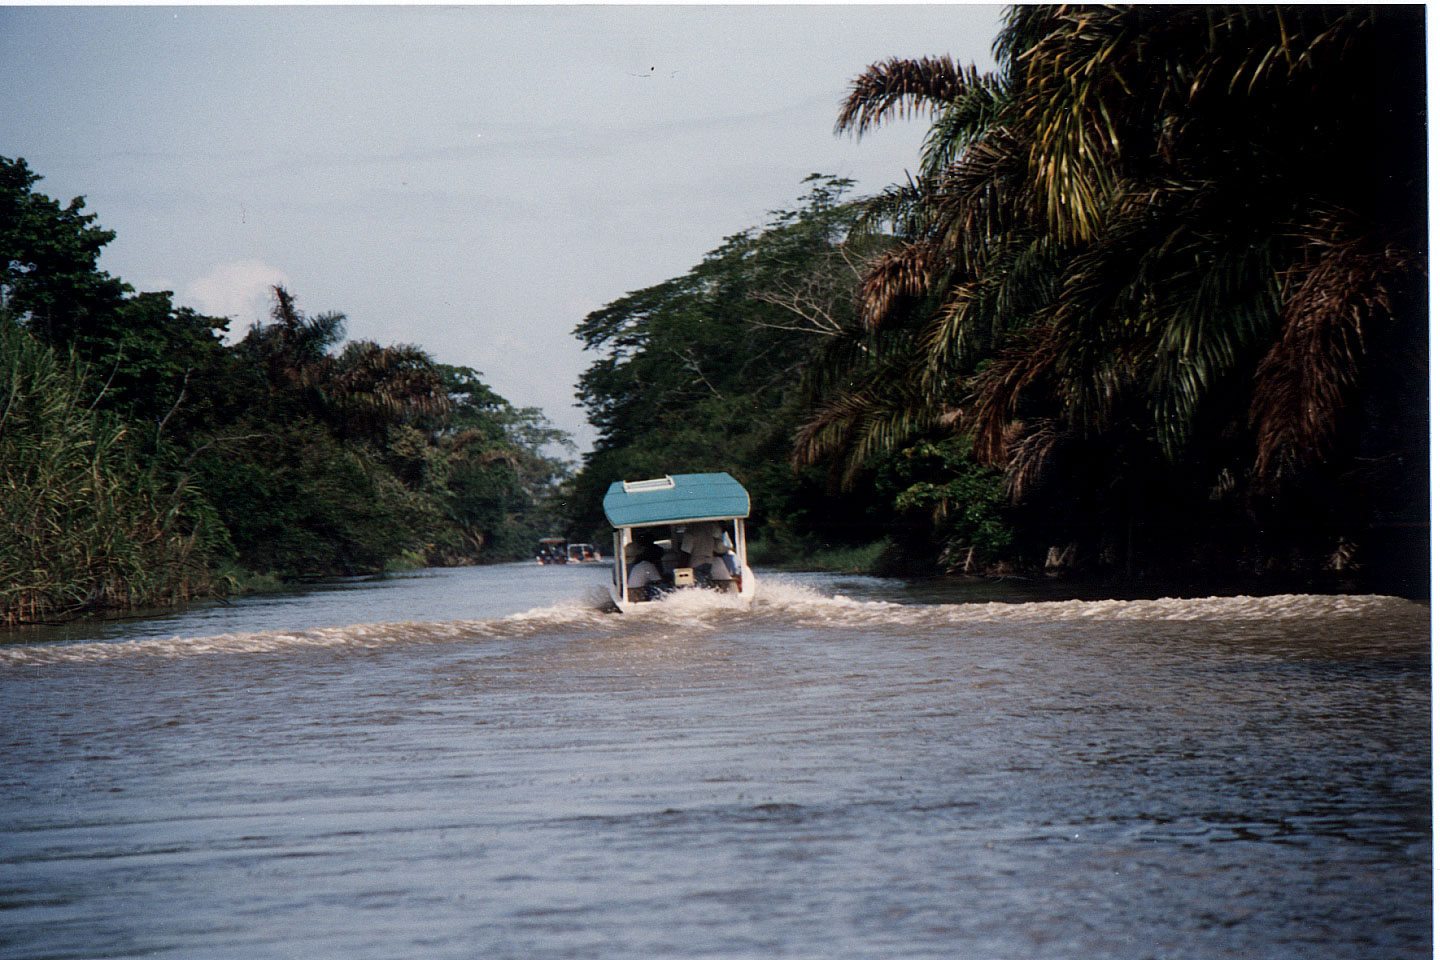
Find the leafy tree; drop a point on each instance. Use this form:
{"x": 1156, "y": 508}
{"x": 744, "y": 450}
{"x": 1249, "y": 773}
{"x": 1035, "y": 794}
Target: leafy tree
{"x": 707, "y": 371}
{"x": 140, "y": 454}
{"x": 960, "y": 502}
{"x": 500, "y": 485}
{"x": 303, "y": 504}
{"x": 144, "y": 351}
{"x": 49, "y": 279}
{"x": 166, "y": 368}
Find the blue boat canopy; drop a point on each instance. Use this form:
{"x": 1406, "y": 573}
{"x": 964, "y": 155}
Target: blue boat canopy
{"x": 685, "y": 496}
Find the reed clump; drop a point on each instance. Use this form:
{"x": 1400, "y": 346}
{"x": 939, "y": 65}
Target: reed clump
{"x": 86, "y": 523}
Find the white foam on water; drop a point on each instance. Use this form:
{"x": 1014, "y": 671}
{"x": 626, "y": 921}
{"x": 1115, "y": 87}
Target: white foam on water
{"x": 359, "y": 636}
{"x": 785, "y": 596}
{"x": 592, "y": 605}
{"x": 778, "y": 601}
{"x": 1280, "y": 607}
{"x": 801, "y": 599}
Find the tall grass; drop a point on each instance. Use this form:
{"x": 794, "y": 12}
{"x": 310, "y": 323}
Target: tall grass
{"x": 83, "y": 523}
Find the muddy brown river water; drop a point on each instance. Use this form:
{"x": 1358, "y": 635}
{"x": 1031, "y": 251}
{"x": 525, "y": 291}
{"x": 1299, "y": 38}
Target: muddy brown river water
{"x": 480, "y": 763}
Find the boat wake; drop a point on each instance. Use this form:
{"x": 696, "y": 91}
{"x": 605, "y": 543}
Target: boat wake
{"x": 780, "y": 604}
{"x": 799, "y": 598}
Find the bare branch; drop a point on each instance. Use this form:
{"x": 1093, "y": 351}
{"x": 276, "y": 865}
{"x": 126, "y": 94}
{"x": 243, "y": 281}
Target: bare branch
{"x": 160, "y": 428}
{"x": 692, "y": 364}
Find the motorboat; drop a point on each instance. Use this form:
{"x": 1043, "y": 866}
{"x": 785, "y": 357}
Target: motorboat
{"x": 681, "y": 532}
{"x": 551, "y": 550}
{"x": 582, "y": 553}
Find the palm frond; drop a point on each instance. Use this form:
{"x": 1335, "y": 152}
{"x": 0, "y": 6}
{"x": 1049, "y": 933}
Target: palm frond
{"x": 1208, "y": 321}
{"x": 1306, "y": 379}
{"x": 1069, "y": 76}
{"x": 1008, "y": 293}
{"x": 876, "y": 415}
{"x": 899, "y": 88}
{"x": 997, "y": 389}
{"x": 1029, "y": 450}
{"x": 906, "y": 208}
{"x": 896, "y": 280}
{"x": 985, "y": 194}
{"x": 969, "y": 116}
{"x": 388, "y": 383}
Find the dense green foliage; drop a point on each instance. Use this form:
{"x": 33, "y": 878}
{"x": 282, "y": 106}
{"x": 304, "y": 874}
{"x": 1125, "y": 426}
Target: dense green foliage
{"x": 713, "y": 371}
{"x": 87, "y": 522}
{"x": 1166, "y": 270}
{"x": 142, "y": 460}
{"x": 1155, "y": 305}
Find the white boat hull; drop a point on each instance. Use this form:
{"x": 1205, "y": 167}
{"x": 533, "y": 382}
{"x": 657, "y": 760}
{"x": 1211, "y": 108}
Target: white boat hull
{"x": 744, "y": 597}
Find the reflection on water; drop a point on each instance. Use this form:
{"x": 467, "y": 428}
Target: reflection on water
{"x": 483, "y": 763}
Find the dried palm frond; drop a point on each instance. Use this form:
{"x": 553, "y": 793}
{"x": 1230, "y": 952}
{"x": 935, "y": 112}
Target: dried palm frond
{"x": 896, "y": 280}
{"x": 379, "y": 385}
{"x": 899, "y": 88}
{"x": 1029, "y": 448}
{"x": 1305, "y": 380}
{"x": 997, "y": 389}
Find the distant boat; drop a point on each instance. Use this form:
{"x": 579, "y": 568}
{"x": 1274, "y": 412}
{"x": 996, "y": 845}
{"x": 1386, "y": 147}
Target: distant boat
{"x": 679, "y": 532}
{"x": 582, "y": 553}
{"x": 551, "y": 550}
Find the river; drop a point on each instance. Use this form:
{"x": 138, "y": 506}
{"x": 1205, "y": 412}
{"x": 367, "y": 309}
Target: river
{"x": 480, "y": 763}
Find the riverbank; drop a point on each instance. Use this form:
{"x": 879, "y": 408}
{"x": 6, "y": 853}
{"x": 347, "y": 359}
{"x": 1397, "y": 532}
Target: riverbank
{"x": 881, "y": 559}
{"x": 232, "y": 583}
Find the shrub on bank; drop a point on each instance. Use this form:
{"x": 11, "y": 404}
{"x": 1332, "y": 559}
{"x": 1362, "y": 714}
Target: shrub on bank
{"x": 863, "y": 559}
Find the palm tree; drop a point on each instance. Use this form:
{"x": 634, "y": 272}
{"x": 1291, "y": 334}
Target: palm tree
{"x": 965, "y": 269}
{"x": 1184, "y": 141}
{"x": 296, "y": 348}
{"x": 1126, "y": 243}
{"x": 365, "y": 389}
{"x": 375, "y": 386}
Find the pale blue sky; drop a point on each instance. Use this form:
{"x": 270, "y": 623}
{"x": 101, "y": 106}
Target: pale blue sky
{"x": 471, "y": 179}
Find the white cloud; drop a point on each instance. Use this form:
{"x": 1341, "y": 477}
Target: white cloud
{"x": 239, "y": 290}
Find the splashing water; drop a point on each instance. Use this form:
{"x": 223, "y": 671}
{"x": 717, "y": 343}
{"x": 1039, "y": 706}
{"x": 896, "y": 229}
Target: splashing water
{"x": 780, "y": 602}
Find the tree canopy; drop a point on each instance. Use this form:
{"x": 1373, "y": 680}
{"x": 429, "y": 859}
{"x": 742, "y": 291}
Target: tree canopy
{"x": 716, "y": 370}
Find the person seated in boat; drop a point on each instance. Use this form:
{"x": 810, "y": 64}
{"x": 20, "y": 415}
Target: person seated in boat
{"x": 645, "y": 572}
{"x": 726, "y": 550}
{"x": 671, "y": 558}
{"x": 704, "y": 542}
